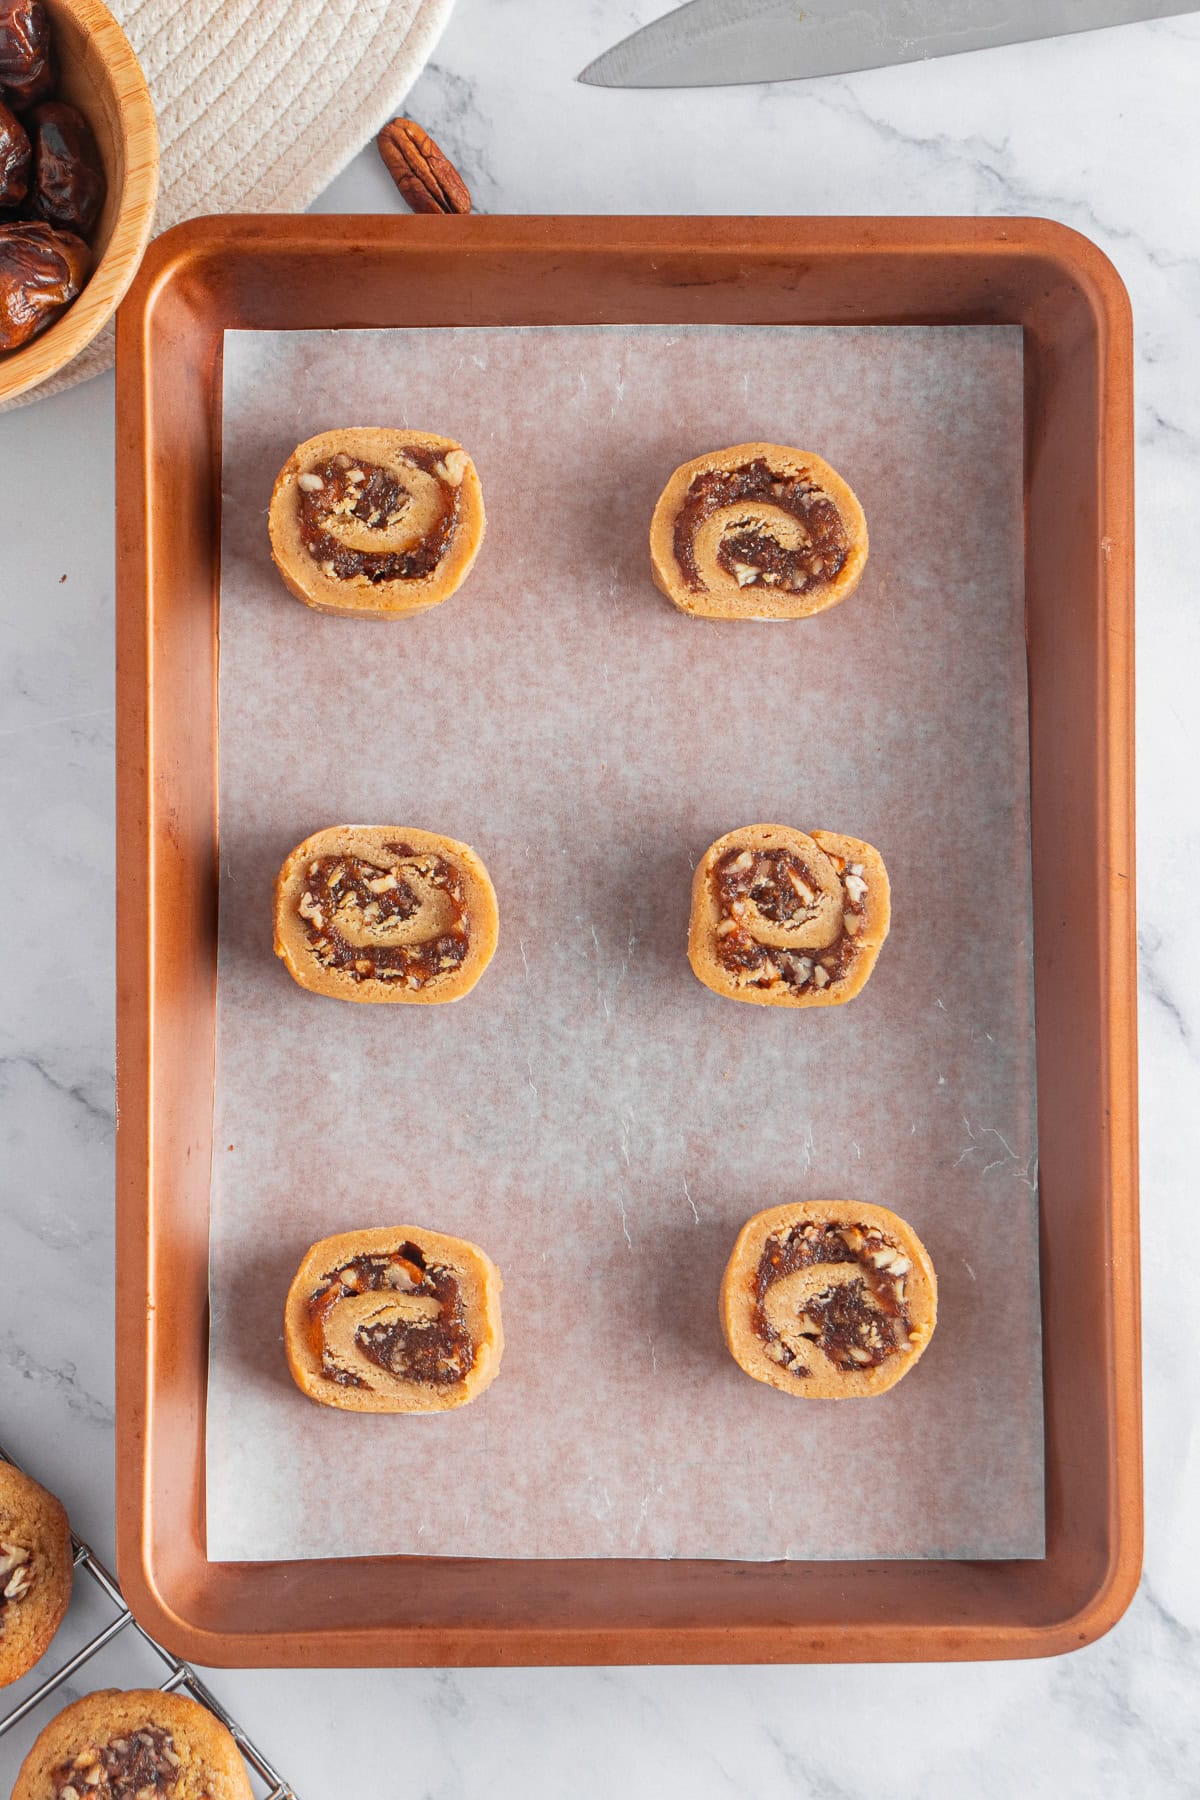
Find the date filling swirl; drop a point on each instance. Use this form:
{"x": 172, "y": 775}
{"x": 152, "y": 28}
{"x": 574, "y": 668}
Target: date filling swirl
{"x": 786, "y": 918}
{"x": 831, "y": 1295}
{"x": 360, "y": 520}
{"x": 763, "y": 529}
{"x": 406, "y": 922}
{"x": 141, "y": 1766}
{"x": 397, "y": 1312}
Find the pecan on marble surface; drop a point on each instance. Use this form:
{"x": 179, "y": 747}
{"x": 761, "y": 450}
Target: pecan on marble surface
{"x": 425, "y": 176}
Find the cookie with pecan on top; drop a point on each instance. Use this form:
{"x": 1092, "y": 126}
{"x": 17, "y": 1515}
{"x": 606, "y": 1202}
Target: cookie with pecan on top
{"x": 141, "y": 1743}
{"x": 36, "y": 1570}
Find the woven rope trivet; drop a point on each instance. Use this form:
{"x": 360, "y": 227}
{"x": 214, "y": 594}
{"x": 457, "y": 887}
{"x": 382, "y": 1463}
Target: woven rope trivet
{"x": 260, "y": 103}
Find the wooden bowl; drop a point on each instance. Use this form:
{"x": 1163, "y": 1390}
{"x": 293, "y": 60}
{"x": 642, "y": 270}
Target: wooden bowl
{"x": 98, "y": 73}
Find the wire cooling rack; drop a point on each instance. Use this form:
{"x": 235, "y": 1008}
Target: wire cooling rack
{"x": 181, "y": 1677}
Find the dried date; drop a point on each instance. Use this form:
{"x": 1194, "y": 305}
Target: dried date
{"x": 52, "y": 181}
{"x": 26, "y": 52}
{"x": 41, "y": 272}
{"x": 68, "y": 185}
{"x": 15, "y": 155}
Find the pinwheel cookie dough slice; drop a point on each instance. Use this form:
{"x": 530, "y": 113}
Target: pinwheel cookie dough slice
{"x": 376, "y": 522}
{"x": 782, "y": 917}
{"x": 394, "y": 1319}
{"x": 385, "y": 913}
{"x": 758, "y": 531}
{"x": 36, "y": 1570}
{"x": 828, "y": 1299}
{"x": 136, "y": 1743}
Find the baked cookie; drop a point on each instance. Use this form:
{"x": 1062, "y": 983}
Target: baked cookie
{"x": 377, "y": 522}
{"x": 788, "y": 918}
{"x": 394, "y": 1319}
{"x": 36, "y": 1570}
{"x": 146, "y": 1745}
{"x": 385, "y": 913}
{"x": 758, "y": 531}
{"x": 828, "y": 1299}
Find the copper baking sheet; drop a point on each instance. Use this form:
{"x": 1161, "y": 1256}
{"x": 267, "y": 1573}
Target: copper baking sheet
{"x": 592, "y": 1115}
{"x": 306, "y": 274}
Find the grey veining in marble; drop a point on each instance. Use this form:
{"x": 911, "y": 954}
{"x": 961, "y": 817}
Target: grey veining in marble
{"x": 1098, "y": 131}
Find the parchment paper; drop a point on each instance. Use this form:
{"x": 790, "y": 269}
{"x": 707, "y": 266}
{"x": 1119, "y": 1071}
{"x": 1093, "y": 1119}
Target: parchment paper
{"x": 590, "y": 1114}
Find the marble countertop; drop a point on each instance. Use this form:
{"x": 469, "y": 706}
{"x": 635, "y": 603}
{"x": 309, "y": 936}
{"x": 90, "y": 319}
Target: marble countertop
{"x": 1098, "y": 131}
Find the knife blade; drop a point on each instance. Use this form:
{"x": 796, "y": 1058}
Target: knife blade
{"x": 722, "y": 43}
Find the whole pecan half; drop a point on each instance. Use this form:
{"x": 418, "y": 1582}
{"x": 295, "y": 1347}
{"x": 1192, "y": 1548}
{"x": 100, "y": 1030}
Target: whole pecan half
{"x": 427, "y": 179}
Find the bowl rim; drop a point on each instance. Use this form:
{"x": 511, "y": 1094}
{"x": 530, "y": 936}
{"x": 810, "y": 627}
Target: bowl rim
{"x": 54, "y": 348}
